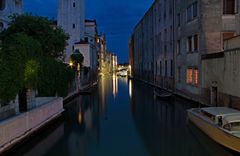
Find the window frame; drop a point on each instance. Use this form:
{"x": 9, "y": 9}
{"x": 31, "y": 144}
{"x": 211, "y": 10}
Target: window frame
{"x": 225, "y": 10}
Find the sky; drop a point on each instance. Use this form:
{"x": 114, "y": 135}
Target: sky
{"x": 115, "y": 18}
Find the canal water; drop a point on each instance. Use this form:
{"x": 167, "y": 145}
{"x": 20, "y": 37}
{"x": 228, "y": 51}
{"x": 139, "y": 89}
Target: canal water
{"x": 122, "y": 118}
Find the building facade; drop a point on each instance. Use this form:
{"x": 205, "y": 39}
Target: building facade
{"x": 200, "y": 27}
{"x": 152, "y": 46}
{"x": 7, "y": 8}
{"x": 168, "y": 43}
{"x": 221, "y": 75}
{"x": 71, "y": 17}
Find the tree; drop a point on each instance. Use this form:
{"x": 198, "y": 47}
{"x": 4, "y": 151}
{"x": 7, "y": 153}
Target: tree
{"x": 19, "y": 62}
{"x": 52, "y": 39}
{"x": 77, "y": 58}
{"x": 29, "y": 59}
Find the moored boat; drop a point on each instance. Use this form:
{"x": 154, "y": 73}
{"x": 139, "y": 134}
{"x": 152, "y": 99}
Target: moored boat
{"x": 219, "y": 123}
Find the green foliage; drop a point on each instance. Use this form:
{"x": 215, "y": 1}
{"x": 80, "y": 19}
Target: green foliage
{"x": 28, "y": 58}
{"x": 54, "y": 78}
{"x": 52, "y": 39}
{"x": 77, "y": 58}
{"x": 16, "y": 50}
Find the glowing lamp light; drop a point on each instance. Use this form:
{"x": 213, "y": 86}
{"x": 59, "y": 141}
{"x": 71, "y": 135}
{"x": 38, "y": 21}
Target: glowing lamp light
{"x": 70, "y": 63}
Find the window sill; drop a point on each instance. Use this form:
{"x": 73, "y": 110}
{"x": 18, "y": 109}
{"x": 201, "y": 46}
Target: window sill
{"x": 192, "y": 85}
{"x": 229, "y": 16}
{"x": 192, "y": 20}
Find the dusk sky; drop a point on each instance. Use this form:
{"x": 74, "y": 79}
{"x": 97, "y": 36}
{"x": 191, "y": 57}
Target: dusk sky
{"x": 115, "y": 18}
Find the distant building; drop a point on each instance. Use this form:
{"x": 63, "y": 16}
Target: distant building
{"x": 89, "y": 49}
{"x": 7, "y": 8}
{"x": 71, "y": 17}
{"x": 102, "y": 43}
{"x": 152, "y": 46}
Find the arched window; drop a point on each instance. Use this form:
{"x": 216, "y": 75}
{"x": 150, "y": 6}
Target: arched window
{"x": 2, "y": 4}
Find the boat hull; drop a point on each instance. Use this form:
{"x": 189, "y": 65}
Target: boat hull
{"x": 214, "y": 132}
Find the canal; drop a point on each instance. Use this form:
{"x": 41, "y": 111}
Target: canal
{"x": 122, "y": 118}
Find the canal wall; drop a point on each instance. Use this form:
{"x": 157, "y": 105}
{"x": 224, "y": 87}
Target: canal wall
{"x": 15, "y": 129}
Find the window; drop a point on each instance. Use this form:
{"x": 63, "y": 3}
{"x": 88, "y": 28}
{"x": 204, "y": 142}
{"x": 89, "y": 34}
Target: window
{"x": 18, "y": 2}
{"x": 195, "y": 77}
{"x": 165, "y": 49}
{"x": 228, "y": 7}
{"x": 192, "y": 76}
{"x": 2, "y": 4}
{"x": 192, "y": 11}
{"x": 189, "y": 13}
{"x": 195, "y": 9}
{"x": 179, "y": 74}
{"x": 166, "y": 68}
{"x": 192, "y": 43}
{"x": 178, "y": 47}
{"x": 74, "y": 4}
{"x": 161, "y": 68}
{"x": 178, "y": 19}
{"x": 189, "y": 76}
{"x": 189, "y": 44}
{"x": 74, "y": 26}
{"x": 156, "y": 70}
{"x": 171, "y": 33}
{"x": 195, "y": 42}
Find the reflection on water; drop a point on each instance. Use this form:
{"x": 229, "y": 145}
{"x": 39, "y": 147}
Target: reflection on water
{"x": 122, "y": 118}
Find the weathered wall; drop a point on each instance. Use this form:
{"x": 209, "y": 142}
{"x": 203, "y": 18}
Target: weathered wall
{"x": 18, "y": 127}
{"x": 223, "y": 73}
{"x": 232, "y": 43}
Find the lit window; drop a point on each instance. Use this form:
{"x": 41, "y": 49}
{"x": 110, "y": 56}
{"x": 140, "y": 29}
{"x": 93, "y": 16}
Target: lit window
{"x": 189, "y": 76}
{"x": 196, "y": 76}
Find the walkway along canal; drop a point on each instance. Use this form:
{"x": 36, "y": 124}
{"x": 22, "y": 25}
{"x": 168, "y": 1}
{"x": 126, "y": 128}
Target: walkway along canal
{"x": 122, "y": 118}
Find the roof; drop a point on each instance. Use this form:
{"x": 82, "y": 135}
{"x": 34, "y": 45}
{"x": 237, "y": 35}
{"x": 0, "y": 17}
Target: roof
{"x": 232, "y": 118}
{"x": 220, "y": 111}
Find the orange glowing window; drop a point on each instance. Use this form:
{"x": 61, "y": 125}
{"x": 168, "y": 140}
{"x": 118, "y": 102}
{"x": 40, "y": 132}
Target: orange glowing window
{"x": 189, "y": 76}
{"x": 196, "y": 76}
